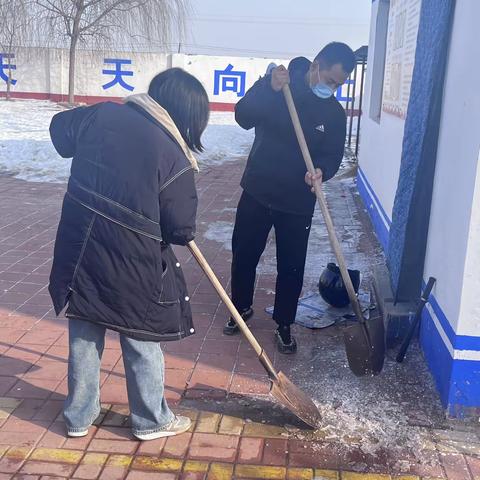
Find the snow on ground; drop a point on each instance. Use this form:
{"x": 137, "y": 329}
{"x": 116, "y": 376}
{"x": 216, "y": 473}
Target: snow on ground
{"x": 27, "y": 153}
{"x": 224, "y": 140}
{"x": 25, "y": 148}
{"x": 221, "y": 232}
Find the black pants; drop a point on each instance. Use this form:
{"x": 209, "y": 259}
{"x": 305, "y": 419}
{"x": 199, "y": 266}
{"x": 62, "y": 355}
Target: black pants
{"x": 252, "y": 226}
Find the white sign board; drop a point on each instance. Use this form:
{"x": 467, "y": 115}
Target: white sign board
{"x": 403, "y": 23}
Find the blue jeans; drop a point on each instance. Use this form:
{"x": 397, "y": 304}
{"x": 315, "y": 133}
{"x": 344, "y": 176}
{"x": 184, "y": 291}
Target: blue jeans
{"x": 144, "y": 371}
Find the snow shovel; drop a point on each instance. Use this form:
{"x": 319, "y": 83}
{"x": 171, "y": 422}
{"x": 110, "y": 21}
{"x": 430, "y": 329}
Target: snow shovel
{"x": 282, "y": 389}
{"x": 364, "y": 339}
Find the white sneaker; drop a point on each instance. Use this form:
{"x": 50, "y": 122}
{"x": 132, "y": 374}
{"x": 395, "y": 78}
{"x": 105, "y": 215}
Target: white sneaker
{"x": 81, "y": 433}
{"x": 177, "y": 426}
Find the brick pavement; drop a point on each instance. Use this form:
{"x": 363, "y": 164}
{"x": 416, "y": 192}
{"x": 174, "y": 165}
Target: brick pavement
{"x": 237, "y": 431}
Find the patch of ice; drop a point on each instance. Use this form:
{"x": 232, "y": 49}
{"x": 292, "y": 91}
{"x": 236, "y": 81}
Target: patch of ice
{"x": 369, "y": 413}
{"x": 220, "y": 232}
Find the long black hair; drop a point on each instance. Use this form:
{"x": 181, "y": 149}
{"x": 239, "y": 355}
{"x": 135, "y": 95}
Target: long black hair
{"x": 185, "y": 100}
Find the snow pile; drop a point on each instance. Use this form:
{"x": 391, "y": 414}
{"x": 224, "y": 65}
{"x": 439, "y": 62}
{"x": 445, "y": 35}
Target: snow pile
{"x": 224, "y": 140}
{"x": 27, "y": 153}
{"x": 25, "y": 148}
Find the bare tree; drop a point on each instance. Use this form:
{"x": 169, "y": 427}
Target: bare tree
{"x": 15, "y": 21}
{"x": 103, "y": 23}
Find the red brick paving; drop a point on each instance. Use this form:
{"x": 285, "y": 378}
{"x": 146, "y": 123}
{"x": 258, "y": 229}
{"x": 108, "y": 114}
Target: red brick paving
{"x": 47, "y": 468}
{"x": 34, "y": 351}
{"x": 209, "y": 446}
{"x": 251, "y": 450}
{"x": 275, "y": 452}
{"x": 455, "y": 466}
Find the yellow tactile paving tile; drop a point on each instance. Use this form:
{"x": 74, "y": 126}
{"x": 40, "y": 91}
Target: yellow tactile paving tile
{"x": 214, "y": 470}
{"x": 157, "y": 464}
{"x": 300, "y": 474}
{"x": 220, "y": 471}
{"x": 195, "y": 466}
{"x": 57, "y": 455}
{"x": 257, "y": 471}
{"x": 18, "y": 453}
{"x": 363, "y": 476}
{"x": 119, "y": 460}
{"x": 326, "y": 474}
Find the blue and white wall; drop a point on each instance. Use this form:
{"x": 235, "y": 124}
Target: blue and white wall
{"x": 451, "y": 326}
{"x": 42, "y": 73}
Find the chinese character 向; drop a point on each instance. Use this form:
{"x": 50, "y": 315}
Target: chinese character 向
{"x": 339, "y": 93}
{"x": 6, "y": 67}
{"x": 119, "y": 73}
{"x": 231, "y": 81}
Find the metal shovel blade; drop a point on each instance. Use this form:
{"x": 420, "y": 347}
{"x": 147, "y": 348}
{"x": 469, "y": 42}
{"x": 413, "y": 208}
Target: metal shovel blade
{"x": 298, "y": 402}
{"x": 295, "y": 400}
{"x": 365, "y": 346}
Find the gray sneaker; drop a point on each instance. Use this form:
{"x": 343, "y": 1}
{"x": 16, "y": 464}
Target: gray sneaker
{"x": 77, "y": 433}
{"x": 177, "y": 426}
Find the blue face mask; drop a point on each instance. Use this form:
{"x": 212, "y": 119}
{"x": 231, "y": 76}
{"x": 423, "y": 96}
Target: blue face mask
{"x": 322, "y": 91}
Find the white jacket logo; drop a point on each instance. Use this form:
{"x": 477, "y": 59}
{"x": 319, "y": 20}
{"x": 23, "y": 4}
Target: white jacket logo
{"x": 320, "y": 128}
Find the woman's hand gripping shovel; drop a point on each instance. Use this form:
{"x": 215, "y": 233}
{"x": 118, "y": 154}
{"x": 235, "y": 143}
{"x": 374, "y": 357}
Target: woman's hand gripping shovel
{"x": 282, "y": 389}
{"x": 364, "y": 339}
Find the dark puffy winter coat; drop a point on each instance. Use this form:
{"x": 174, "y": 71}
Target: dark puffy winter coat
{"x": 275, "y": 171}
{"x": 131, "y": 193}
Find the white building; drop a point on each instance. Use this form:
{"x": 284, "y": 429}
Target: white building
{"x": 398, "y": 137}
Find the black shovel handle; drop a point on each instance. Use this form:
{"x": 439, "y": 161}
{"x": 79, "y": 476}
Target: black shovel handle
{"x": 416, "y": 320}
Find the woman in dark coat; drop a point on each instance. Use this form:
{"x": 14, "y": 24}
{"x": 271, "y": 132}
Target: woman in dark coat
{"x": 130, "y": 195}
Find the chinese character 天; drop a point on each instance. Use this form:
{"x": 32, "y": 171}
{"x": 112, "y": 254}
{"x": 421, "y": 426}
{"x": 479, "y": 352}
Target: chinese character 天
{"x": 229, "y": 80}
{"x": 6, "y": 67}
{"x": 118, "y": 74}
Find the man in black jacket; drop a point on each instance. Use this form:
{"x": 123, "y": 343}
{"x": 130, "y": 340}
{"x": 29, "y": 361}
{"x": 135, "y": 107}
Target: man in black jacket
{"x": 274, "y": 180}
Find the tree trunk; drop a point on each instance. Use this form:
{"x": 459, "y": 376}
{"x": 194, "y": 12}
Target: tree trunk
{"x": 71, "y": 68}
{"x": 9, "y": 83}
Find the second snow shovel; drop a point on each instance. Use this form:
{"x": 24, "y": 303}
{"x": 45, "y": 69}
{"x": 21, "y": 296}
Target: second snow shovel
{"x": 364, "y": 339}
{"x": 282, "y": 389}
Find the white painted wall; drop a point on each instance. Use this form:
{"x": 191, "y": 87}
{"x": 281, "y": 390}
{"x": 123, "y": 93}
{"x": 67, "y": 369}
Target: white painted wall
{"x": 453, "y": 250}
{"x": 204, "y": 66}
{"x": 45, "y": 71}
{"x": 469, "y": 318}
{"x": 380, "y": 141}
{"x": 33, "y": 70}
{"x": 89, "y": 77}
{"x": 455, "y": 216}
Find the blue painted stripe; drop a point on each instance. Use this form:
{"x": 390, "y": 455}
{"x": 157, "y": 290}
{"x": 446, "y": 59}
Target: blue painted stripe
{"x": 459, "y": 342}
{"x": 379, "y": 203}
{"x": 464, "y": 386}
{"x": 447, "y": 328}
{"x": 467, "y": 342}
{"x": 437, "y": 356}
{"x": 375, "y": 215}
{"x": 458, "y": 381}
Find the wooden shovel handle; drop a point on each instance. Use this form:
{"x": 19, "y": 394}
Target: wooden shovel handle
{"x": 323, "y": 206}
{"x": 231, "y": 308}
